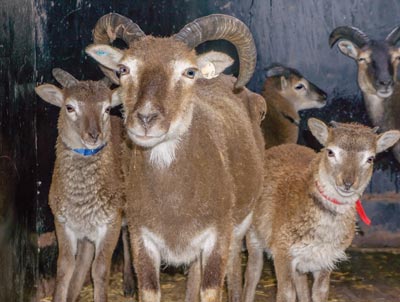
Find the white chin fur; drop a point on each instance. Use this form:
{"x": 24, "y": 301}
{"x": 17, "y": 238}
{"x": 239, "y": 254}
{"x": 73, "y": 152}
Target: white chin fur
{"x": 385, "y": 94}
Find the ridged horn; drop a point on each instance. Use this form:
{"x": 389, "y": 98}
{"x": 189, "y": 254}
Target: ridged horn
{"x": 394, "y": 36}
{"x": 64, "y": 78}
{"x": 352, "y": 34}
{"x": 110, "y": 27}
{"x": 216, "y": 27}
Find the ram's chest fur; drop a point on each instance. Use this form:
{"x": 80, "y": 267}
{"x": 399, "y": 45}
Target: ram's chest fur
{"x": 85, "y": 196}
{"x": 324, "y": 243}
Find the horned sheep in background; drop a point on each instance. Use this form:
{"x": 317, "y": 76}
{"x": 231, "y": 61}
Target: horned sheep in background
{"x": 287, "y": 92}
{"x": 377, "y": 63}
{"x": 85, "y": 194}
{"x": 195, "y": 159}
{"x": 306, "y": 215}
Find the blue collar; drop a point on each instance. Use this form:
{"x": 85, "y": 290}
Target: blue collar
{"x": 89, "y": 152}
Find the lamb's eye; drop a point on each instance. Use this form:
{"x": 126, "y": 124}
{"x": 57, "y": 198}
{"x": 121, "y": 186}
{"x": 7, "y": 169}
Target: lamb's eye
{"x": 362, "y": 59}
{"x": 69, "y": 108}
{"x": 370, "y": 159}
{"x": 123, "y": 70}
{"x": 299, "y": 86}
{"x": 190, "y": 73}
{"x": 108, "y": 109}
{"x": 330, "y": 153}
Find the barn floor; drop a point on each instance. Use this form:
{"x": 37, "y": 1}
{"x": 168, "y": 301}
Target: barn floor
{"x": 366, "y": 277}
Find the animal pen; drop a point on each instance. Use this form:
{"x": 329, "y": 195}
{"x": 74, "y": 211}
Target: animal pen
{"x": 38, "y": 36}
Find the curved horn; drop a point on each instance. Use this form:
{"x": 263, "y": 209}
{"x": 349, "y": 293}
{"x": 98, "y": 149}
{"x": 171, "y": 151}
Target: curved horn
{"x": 64, "y": 78}
{"x": 394, "y": 36}
{"x": 352, "y": 34}
{"x": 276, "y": 71}
{"x": 110, "y": 27}
{"x": 217, "y": 26}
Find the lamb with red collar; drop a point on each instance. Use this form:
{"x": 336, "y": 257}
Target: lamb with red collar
{"x": 306, "y": 215}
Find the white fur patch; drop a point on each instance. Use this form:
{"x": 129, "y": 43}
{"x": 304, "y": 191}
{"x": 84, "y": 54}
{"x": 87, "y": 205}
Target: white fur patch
{"x": 133, "y": 65}
{"x": 322, "y": 250}
{"x": 240, "y": 230}
{"x": 159, "y": 249}
{"x": 72, "y": 239}
{"x": 163, "y": 154}
{"x": 101, "y": 233}
{"x": 178, "y": 67}
{"x": 375, "y": 108}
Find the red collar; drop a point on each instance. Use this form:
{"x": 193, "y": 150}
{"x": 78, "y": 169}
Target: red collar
{"x": 359, "y": 207}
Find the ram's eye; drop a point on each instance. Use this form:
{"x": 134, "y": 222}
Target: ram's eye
{"x": 330, "y": 153}
{"x": 70, "y": 108}
{"x": 190, "y": 73}
{"x": 299, "y": 86}
{"x": 370, "y": 159}
{"x": 108, "y": 109}
{"x": 123, "y": 70}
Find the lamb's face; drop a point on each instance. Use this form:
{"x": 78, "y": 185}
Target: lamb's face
{"x": 84, "y": 120}
{"x": 86, "y": 113}
{"x": 346, "y": 164}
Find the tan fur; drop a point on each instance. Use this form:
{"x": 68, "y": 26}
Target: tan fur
{"x": 211, "y": 173}
{"x": 302, "y": 230}
{"x": 281, "y": 123}
{"x": 85, "y": 193}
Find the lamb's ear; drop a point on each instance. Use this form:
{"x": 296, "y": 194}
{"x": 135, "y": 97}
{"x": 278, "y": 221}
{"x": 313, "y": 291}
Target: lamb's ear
{"x": 349, "y": 49}
{"x": 115, "y": 99}
{"x": 213, "y": 63}
{"x": 51, "y": 94}
{"x": 387, "y": 140}
{"x": 319, "y": 129}
{"x": 106, "y": 55}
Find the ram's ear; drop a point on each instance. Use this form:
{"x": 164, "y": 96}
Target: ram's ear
{"x": 387, "y": 140}
{"x": 51, "y": 94}
{"x": 319, "y": 129}
{"x": 349, "y": 49}
{"x": 212, "y": 64}
{"x": 106, "y": 55}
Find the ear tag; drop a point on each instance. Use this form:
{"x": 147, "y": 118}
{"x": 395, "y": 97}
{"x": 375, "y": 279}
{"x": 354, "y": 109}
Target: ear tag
{"x": 101, "y": 53}
{"x": 208, "y": 71}
{"x": 348, "y": 47}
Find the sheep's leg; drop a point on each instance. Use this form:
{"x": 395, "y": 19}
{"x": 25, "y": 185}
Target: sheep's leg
{"x": 320, "y": 288}
{"x": 102, "y": 261}
{"x": 301, "y": 285}
{"x": 286, "y": 291}
{"x": 213, "y": 268}
{"x": 254, "y": 265}
{"x": 67, "y": 245}
{"x": 84, "y": 260}
{"x": 234, "y": 271}
{"x": 147, "y": 267}
{"x": 129, "y": 280}
{"x": 193, "y": 282}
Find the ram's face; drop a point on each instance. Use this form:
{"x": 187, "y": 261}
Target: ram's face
{"x": 157, "y": 81}
{"x": 157, "y": 78}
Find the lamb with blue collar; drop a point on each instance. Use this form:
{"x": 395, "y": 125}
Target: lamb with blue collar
{"x": 85, "y": 195}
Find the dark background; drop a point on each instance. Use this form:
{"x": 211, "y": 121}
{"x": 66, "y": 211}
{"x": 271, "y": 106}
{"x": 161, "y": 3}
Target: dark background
{"x": 36, "y": 36}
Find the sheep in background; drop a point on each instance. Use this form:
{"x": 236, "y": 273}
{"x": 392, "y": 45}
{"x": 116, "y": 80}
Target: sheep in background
{"x": 195, "y": 167}
{"x": 377, "y": 63}
{"x": 85, "y": 194}
{"x": 307, "y": 213}
{"x": 287, "y": 92}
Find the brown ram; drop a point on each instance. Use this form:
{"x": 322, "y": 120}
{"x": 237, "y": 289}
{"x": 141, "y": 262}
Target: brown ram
{"x": 195, "y": 160}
